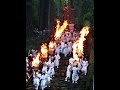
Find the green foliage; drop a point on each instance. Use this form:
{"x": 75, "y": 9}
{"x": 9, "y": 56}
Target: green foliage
{"x": 86, "y": 23}
{"x": 88, "y": 11}
{"x": 58, "y": 9}
{"x": 35, "y": 12}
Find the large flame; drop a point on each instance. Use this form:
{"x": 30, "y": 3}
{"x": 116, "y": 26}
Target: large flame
{"x": 78, "y": 45}
{"x": 44, "y": 51}
{"x": 60, "y": 29}
{"x": 51, "y": 44}
{"x": 84, "y": 32}
{"x": 58, "y": 25}
{"x": 36, "y": 61}
{"x": 51, "y": 47}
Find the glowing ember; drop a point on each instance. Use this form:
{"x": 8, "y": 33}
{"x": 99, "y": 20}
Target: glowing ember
{"x": 44, "y": 51}
{"x": 60, "y": 29}
{"x": 36, "y": 61}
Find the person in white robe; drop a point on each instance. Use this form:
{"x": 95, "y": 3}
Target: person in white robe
{"x": 27, "y": 62}
{"x": 62, "y": 46}
{"x": 33, "y": 52}
{"x": 60, "y": 49}
{"x": 49, "y": 73}
{"x": 57, "y": 58}
{"x": 65, "y": 50}
{"x": 44, "y": 67}
{"x": 49, "y": 68}
{"x": 68, "y": 72}
{"x": 48, "y": 77}
{"x": 36, "y": 80}
{"x": 80, "y": 64}
{"x": 57, "y": 49}
{"x": 71, "y": 60}
{"x": 75, "y": 76}
{"x": 69, "y": 49}
{"x": 43, "y": 81}
{"x": 84, "y": 66}
{"x": 49, "y": 58}
{"x": 52, "y": 68}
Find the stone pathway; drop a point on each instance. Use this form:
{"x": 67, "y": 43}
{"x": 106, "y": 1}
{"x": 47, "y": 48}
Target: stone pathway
{"x": 59, "y": 83}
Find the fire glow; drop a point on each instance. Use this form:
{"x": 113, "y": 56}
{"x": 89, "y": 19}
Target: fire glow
{"x": 36, "y": 61}
{"x": 78, "y": 45}
{"x": 51, "y": 44}
{"x": 60, "y": 29}
{"x": 51, "y": 47}
{"x": 44, "y": 51}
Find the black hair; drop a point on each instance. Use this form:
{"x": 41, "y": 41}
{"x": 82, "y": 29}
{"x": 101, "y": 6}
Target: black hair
{"x": 76, "y": 65}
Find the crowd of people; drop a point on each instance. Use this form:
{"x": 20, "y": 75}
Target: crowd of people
{"x": 46, "y": 72}
{"x": 73, "y": 69}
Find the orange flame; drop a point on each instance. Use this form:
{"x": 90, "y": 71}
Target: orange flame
{"x": 58, "y": 25}
{"x": 84, "y": 32}
{"x": 60, "y": 29}
{"x": 44, "y": 51}
{"x": 36, "y": 61}
{"x": 51, "y": 44}
{"x": 78, "y": 45}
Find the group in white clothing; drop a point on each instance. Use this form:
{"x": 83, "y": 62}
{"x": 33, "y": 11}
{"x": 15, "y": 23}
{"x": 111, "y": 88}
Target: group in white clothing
{"x": 74, "y": 69}
{"x": 43, "y": 77}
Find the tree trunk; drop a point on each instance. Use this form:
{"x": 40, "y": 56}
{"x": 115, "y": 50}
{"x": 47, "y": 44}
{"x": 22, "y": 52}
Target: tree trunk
{"x": 44, "y": 5}
{"x": 41, "y": 14}
{"x": 52, "y": 16}
{"x": 28, "y": 17}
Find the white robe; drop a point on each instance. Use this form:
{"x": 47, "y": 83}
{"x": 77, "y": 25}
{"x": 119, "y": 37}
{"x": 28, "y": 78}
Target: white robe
{"x": 57, "y": 50}
{"x": 69, "y": 49}
{"x": 44, "y": 69}
{"x": 56, "y": 62}
{"x": 84, "y": 67}
{"x": 50, "y": 72}
{"x": 43, "y": 81}
{"x": 39, "y": 75}
{"x": 48, "y": 77}
{"x": 49, "y": 61}
{"x": 80, "y": 64}
{"x": 71, "y": 60}
{"x": 68, "y": 72}
{"x": 33, "y": 52}
{"x": 27, "y": 64}
{"x": 65, "y": 50}
{"x": 62, "y": 46}
{"x": 52, "y": 68}
{"x": 75, "y": 76}
{"x": 36, "y": 80}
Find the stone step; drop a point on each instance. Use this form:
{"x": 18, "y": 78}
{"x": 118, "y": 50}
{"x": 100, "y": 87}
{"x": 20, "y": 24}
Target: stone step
{"x": 31, "y": 85}
{"x": 64, "y": 88}
{"x": 48, "y": 88}
{"x": 30, "y": 88}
